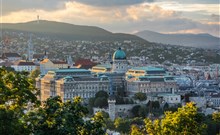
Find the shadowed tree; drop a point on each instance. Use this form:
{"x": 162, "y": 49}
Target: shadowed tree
{"x": 56, "y": 117}
{"x": 17, "y": 95}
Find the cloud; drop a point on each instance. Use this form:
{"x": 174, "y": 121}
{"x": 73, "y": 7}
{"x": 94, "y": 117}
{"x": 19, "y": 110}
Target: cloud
{"x": 129, "y": 18}
{"x": 9, "y": 6}
{"x": 112, "y": 3}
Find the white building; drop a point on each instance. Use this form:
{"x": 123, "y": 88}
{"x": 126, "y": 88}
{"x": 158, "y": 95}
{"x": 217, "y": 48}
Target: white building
{"x": 215, "y": 99}
{"x": 200, "y": 101}
{"x": 24, "y": 66}
{"x": 170, "y": 98}
{"x": 12, "y": 57}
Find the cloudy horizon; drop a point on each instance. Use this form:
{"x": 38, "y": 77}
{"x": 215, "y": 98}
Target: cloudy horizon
{"x": 127, "y": 16}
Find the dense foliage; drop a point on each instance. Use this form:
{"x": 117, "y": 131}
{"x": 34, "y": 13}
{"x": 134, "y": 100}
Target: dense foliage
{"x": 17, "y": 95}
{"x": 184, "y": 121}
{"x": 21, "y": 113}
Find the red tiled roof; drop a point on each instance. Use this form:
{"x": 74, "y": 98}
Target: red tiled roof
{"x": 85, "y": 63}
{"x": 59, "y": 62}
{"x": 24, "y": 63}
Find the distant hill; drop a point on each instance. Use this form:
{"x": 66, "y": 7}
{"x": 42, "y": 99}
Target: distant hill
{"x": 67, "y": 31}
{"x": 192, "y": 40}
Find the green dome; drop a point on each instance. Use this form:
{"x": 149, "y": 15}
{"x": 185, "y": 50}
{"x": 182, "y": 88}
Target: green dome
{"x": 119, "y": 54}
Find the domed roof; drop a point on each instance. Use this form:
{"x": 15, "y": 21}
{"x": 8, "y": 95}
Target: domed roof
{"x": 119, "y": 54}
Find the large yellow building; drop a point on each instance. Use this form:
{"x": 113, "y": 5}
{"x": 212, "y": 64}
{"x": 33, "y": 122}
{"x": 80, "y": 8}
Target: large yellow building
{"x": 48, "y": 65}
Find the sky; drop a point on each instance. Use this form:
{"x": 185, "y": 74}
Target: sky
{"x": 124, "y": 16}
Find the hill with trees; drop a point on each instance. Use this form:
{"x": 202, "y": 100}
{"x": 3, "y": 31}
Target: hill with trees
{"x": 65, "y": 31}
{"x": 192, "y": 40}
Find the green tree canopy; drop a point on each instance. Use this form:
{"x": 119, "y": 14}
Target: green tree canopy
{"x": 140, "y": 96}
{"x": 101, "y": 102}
{"x": 122, "y": 125}
{"x": 135, "y": 130}
{"x": 17, "y": 95}
{"x": 216, "y": 116}
{"x": 56, "y": 117}
{"x": 184, "y": 121}
{"x": 101, "y": 94}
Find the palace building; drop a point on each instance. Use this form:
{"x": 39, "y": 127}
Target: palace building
{"x": 149, "y": 80}
{"x": 71, "y": 82}
{"x": 115, "y": 71}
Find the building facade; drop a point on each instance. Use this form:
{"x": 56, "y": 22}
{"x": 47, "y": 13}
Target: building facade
{"x": 48, "y": 65}
{"x": 24, "y": 66}
{"x": 149, "y": 80}
{"x": 71, "y": 82}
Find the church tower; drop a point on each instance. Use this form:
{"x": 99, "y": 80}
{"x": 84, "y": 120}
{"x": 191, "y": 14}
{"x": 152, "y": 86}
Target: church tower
{"x": 111, "y": 108}
{"x": 120, "y": 64}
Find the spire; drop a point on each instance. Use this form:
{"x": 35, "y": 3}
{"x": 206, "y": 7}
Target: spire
{"x": 70, "y": 61}
{"x": 30, "y": 49}
{"x": 45, "y": 54}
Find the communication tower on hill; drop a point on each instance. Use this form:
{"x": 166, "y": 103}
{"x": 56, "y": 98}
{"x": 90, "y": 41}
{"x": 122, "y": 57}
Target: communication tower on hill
{"x": 38, "y": 19}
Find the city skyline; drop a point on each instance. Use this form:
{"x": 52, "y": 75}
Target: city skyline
{"x": 168, "y": 16}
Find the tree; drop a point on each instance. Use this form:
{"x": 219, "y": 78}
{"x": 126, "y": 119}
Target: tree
{"x": 184, "y": 121}
{"x": 216, "y": 119}
{"x": 17, "y": 95}
{"x": 101, "y": 102}
{"x": 140, "y": 96}
{"x": 142, "y": 112}
{"x": 122, "y": 125}
{"x": 139, "y": 111}
{"x": 101, "y": 94}
{"x": 56, "y": 117}
{"x": 135, "y": 110}
{"x": 34, "y": 74}
{"x": 135, "y": 130}
{"x": 155, "y": 104}
{"x": 216, "y": 116}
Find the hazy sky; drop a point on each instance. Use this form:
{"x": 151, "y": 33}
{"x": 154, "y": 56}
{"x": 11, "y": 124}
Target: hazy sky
{"x": 129, "y": 16}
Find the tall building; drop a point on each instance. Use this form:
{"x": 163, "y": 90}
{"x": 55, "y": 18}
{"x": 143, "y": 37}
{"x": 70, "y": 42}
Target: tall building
{"x": 120, "y": 63}
{"x": 115, "y": 71}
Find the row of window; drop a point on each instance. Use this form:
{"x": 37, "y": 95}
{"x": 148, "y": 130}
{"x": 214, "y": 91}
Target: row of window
{"x": 82, "y": 95}
{"x": 156, "y": 90}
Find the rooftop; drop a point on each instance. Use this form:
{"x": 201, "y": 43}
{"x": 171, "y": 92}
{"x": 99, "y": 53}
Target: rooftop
{"x": 10, "y": 55}
{"x": 148, "y": 68}
{"x": 63, "y": 70}
{"x": 25, "y": 63}
{"x": 104, "y": 66}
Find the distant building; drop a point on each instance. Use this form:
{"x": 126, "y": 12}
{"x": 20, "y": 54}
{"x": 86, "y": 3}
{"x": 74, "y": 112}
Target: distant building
{"x": 215, "y": 99}
{"x": 24, "y": 66}
{"x": 12, "y": 57}
{"x": 170, "y": 98}
{"x": 149, "y": 80}
{"x": 48, "y": 65}
{"x": 84, "y": 63}
{"x": 145, "y": 71}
